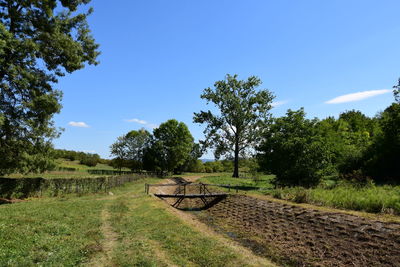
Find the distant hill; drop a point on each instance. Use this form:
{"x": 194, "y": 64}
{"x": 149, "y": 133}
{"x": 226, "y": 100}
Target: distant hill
{"x": 207, "y": 160}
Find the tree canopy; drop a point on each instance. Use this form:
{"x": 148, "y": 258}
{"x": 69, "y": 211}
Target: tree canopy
{"x": 174, "y": 144}
{"x": 292, "y": 151}
{"x": 39, "y": 42}
{"x": 242, "y": 115}
{"x": 129, "y": 149}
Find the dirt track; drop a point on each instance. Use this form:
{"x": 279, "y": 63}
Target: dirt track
{"x": 305, "y": 237}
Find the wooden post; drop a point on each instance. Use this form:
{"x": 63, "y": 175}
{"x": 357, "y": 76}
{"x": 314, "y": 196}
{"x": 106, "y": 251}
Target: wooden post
{"x": 229, "y": 187}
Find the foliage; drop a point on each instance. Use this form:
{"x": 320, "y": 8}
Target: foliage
{"x": 396, "y": 91}
{"x": 382, "y": 158}
{"x": 90, "y": 161}
{"x": 243, "y": 113}
{"x": 39, "y": 42}
{"x": 172, "y": 146}
{"x": 195, "y": 166}
{"x": 213, "y": 166}
{"x": 292, "y": 151}
{"x": 129, "y": 149}
{"x": 37, "y": 187}
{"x": 87, "y": 159}
{"x": 192, "y": 163}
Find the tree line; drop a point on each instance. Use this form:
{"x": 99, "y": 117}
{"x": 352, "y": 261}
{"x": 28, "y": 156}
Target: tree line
{"x": 298, "y": 150}
{"x": 170, "y": 148}
{"x": 41, "y": 41}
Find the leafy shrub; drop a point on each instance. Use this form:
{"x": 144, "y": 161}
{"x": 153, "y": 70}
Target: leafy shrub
{"x": 293, "y": 152}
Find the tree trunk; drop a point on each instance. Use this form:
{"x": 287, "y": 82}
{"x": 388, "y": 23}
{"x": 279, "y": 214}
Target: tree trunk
{"x": 236, "y": 162}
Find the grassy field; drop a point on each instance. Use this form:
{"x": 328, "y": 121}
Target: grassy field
{"x": 259, "y": 185}
{"x": 371, "y": 198}
{"x": 80, "y": 172}
{"x": 127, "y": 228}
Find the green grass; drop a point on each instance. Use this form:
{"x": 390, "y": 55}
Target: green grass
{"x": 263, "y": 182}
{"x": 374, "y": 199}
{"x": 152, "y": 229}
{"x": 75, "y": 164}
{"x": 81, "y": 171}
{"x": 49, "y": 232}
{"x": 68, "y": 232}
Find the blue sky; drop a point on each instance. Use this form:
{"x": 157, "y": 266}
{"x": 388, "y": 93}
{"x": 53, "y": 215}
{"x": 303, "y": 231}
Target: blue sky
{"x": 158, "y": 56}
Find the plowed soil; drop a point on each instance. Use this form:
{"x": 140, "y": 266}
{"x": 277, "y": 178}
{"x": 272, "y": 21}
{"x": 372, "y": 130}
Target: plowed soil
{"x": 298, "y": 236}
{"x": 303, "y": 237}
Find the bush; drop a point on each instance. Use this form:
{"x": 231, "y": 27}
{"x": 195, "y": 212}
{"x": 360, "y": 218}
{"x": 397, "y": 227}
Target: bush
{"x": 293, "y": 152}
{"x": 89, "y": 161}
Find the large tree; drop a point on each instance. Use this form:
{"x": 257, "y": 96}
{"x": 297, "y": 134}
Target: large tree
{"x": 39, "y": 41}
{"x": 242, "y": 115}
{"x": 129, "y": 149}
{"x": 173, "y": 145}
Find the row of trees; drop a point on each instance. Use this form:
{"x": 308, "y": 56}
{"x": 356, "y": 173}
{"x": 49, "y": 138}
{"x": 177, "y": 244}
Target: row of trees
{"x": 169, "y": 148}
{"x": 301, "y": 151}
{"x": 298, "y": 150}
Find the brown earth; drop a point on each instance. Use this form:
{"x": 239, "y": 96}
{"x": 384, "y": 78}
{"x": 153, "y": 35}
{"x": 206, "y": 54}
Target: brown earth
{"x": 298, "y": 236}
{"x": 305, "y": 237}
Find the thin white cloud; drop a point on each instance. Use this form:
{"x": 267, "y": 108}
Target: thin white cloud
{"x": 143, "y": 122}
{"x": 279, "y": 103}
{"x": 80, "y": 124}
{"x": 357, "y": 96}
{"x": 137, "y": 121}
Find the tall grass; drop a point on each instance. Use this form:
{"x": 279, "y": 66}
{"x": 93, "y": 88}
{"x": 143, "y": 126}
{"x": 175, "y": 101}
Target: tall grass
{"x": 331, "y": 193}
{"x": 385, "y": 199}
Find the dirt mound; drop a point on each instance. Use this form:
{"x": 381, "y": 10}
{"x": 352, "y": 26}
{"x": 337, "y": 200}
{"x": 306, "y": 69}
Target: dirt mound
{"x": 304, "y": 237}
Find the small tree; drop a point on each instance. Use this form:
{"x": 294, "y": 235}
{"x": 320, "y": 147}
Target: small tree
{"x": 243, "y": 113}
